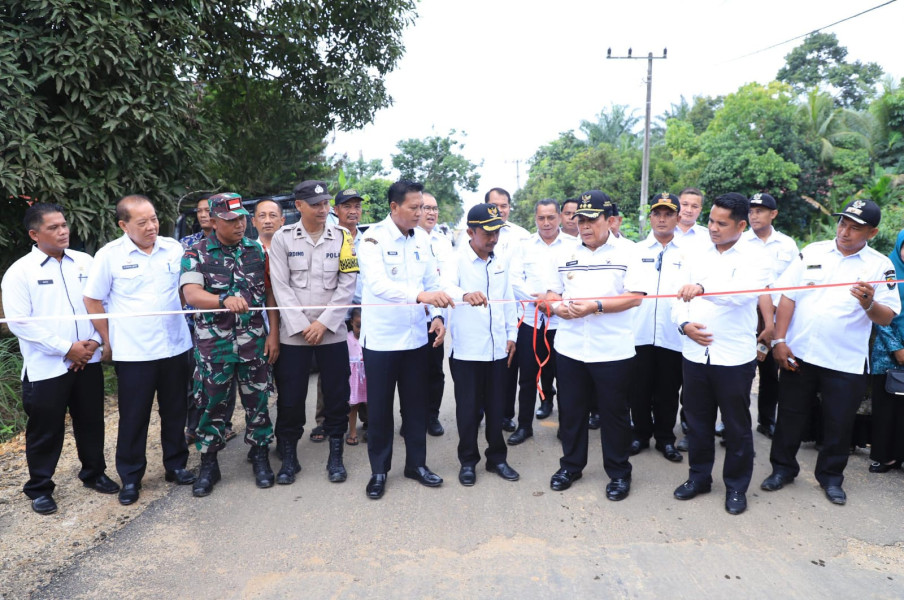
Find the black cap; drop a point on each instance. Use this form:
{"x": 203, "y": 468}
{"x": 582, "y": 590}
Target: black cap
{"x": 346, "y": 195}
{"x": 312, "y": 191}
{"x": 665, "y": 199}
{"x": 865, "y": 212}
{"x": 485, "y": 216}
{"x": 594, "y": 203}
{"x": 764, "y": 200}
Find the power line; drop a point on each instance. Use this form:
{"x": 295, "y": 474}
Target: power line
{"x": 814, "y": 31}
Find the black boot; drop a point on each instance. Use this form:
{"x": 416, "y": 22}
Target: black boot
{"x": 260, "y": 464}
{"x": 334, "y": 466}
{"x": 289, "y": 450}
{"x": 208, "y": 475}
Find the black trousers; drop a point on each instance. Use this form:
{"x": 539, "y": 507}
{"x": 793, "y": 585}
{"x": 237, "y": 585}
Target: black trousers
{"x": 45, "y": 402}
{"x": 386, "y": 370}
{"x": 479, "y": 389}
{"x": 726, "y": 388}
{"x": 887, "y": 423}
{"x": 291, "y": 372}
{"x": 841, "y": 394}
{"x": 138, "y": 382}
{"x": 603, "y": 387}
{"x": 511, "y": 388}
{"x": 437, "y": 378}
{"x": 767, "y": 391}
{"x": 528, "y": 368}
{"x": 654, "y": 393}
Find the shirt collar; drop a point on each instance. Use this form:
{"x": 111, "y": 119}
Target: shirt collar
{"x": 472, "y": 256}
{"x": 131, "y": 247}
{"x": 394, "y": 230}
{"x": 43, "y": 257}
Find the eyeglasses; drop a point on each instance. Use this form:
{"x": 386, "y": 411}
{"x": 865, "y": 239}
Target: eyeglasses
{"x": 431, "y": 209}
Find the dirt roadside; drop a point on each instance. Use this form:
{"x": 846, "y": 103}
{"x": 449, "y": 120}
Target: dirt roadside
{"x": 33, "y": 547}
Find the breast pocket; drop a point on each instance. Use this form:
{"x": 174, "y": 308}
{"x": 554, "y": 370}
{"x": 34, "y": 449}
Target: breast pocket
{"x": 331, "y": 273}
{"x": 395, "y": 266}
{"x": 255, "y": 277}
{"x": 298, "y": 272}
{"x": 217, "y": 278}
{"x": 127, "y": 282}
{"x": 813, "y": 276}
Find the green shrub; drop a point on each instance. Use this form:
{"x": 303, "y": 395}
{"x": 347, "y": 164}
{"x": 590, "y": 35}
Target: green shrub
{"x": 12, "y": 415}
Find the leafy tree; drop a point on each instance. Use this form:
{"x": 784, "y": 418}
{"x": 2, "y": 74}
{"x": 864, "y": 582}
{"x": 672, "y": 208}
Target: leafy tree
{"x": 835, "y": 126}
{"x": 368, "y": 179}
{"x": 435, "y": 161}
{"x": 94, "y": 107}
{"x": 820, "y": 61}
{"x": 107, "y": 98}
{"x": 888, "y": 112}
{"x": 281, "y": 75}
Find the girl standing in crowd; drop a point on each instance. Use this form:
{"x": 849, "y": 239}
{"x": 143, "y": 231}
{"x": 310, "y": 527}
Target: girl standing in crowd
{"x": 357, "y": 380}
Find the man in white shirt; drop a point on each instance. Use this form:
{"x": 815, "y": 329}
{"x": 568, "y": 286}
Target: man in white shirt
{"x": 654, "y": 394}
{"x": 822, "y": 344}
{"x": 720, "y": 351}
{"x": 442, "y": 250}
{"x": 697, "y": 236}
{"x": 399, "y": 268}
{"x": 139, "y": 273}
{"x": 61, "y": 357}
{"x": 780, "y": 250}
{"x": 267, "y": 217}
{"x": 530, "y": 267}
{"x": 509, "y": 238}
{"x": 569, "y": 223}
{"x": 595, "y": 346}
{"x": 483, "y": 342}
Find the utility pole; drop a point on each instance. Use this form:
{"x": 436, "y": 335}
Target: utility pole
{"x": 645, "y": 170}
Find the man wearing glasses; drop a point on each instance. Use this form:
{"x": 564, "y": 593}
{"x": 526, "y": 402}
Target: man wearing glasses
{"x": 509, "y": 238}
{"x": 442, "y": 250}
{"x": 654, "y": 396}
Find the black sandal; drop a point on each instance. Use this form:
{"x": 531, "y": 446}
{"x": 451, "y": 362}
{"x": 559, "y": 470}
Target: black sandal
{"x": 318, "y": 434}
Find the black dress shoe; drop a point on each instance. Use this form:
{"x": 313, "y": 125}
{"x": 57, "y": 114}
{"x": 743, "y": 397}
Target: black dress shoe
{"x": 670, "y": 452}
{"x": 835, "y": 494}
{"x": 682, "y": 445}
{"x": 434, "y": 427}
{"x": 735, "y": 502}
{"x": 720, "y": 429}
{"x": 129, "y": 493}
{"x": 180, "y": 476}
{"x": 102, "y": 484}
{"x": 424, "y": 476}
{"x": 467, "y": 476}
{"x": 618, "y": 489}
{"x": 637, "y": 446}
{"x": 691, "y": 489}
{"x": 544, "y": 410}
{"x": 376, "y": 486}
{"x": 878, "y": 467}
{"x": 593, "y": 421}
{"x": 767, "y": 430}
{"x": 44, "y": 505}
{"x": 775, "y": 482}
{"x": 508, "y": 425}
{"x": 521, "y": 434}
{"x": 562, "y": 480}
{"x": 505, "y": 471}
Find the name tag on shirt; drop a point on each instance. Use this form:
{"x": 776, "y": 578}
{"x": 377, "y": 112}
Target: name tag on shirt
{"x": 132, "y": 266}
{"x": 649, "y": 260}
{"x": 392, "y": 253}
{"x": 571, "y": 263}
{"x": 45, "y": 281}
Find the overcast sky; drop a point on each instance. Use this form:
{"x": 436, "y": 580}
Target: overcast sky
{"x": 514, "y": 74}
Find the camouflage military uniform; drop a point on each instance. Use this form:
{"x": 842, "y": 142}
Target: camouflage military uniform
{"x": 228, "y": 344}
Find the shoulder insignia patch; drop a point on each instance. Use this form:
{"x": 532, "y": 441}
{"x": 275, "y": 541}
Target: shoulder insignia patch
{"x": 890, "y": 277}
{"x": 371, "y": 240}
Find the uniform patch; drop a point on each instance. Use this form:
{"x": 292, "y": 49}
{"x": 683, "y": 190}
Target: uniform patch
{"x": 372, "y": 241}
{"x": 890, "y": 277}
{"x": 295, "y": 253}
{"x": 814, "y": 266}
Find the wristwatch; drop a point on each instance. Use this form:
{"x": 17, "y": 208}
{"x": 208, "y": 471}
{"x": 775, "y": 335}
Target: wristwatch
{"x": 223, "y": 297}
{"x": 681, "y": 327}
{"x": 775, "y": 343}
{"x": 599, "y": 307}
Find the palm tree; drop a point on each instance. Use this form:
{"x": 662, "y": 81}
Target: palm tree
{"x": 835, "y": 126}
{"x": 615, "y": 126}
